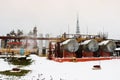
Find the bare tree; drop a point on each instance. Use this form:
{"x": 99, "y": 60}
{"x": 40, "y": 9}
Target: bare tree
{"x": 35, "y": 31}
{"x": 12, "y": 33}
{"x": 19, "y": 32}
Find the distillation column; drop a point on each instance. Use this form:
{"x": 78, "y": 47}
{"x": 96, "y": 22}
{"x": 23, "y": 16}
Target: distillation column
{"x": 40, "y": 44}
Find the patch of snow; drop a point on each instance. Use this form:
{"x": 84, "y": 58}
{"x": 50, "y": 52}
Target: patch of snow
{"x": 85, "y": 42}
{"x": 117, "y": 49}
{"x": 4, "y": 65}
{"x": 104, "y": 42}
{"x": 44, "y": 69}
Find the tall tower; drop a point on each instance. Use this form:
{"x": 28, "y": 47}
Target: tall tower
{"x": 77, "y": 25}
{"x": 40, "y": 44}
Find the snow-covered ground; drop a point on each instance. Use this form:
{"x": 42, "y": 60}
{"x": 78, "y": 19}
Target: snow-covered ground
{"x": 43, "y": 69}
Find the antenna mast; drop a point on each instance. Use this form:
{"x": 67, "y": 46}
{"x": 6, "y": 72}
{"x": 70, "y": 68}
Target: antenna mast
{"x": 77, "y": 25}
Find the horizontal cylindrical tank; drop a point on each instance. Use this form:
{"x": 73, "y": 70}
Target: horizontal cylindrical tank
{"x": 107, "y": 45}
{"x": 70, "y": 45}
{"x": 90, "y": 45}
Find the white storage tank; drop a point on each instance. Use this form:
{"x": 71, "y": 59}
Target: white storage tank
{"x": 70, "y": 45}
{"x": 107, "y": 45}
{"x": 90, "y": 45}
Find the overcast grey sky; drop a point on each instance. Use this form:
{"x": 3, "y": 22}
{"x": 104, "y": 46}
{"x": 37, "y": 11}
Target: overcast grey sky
{"x": 54, "y": 16}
